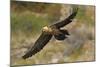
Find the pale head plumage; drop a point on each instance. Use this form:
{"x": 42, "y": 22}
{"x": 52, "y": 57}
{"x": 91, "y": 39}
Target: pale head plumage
{"x": 47, "y": 29}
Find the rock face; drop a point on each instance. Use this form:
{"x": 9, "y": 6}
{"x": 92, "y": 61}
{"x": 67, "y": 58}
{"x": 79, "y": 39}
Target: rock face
{"x": 65, "y": 11}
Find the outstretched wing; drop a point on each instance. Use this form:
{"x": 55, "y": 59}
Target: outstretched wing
{"x": 39, "y": 44}
{"x": 67, "y": 20}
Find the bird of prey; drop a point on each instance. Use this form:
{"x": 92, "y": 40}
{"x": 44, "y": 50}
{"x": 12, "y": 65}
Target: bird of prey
{"x": 49, "y": 31}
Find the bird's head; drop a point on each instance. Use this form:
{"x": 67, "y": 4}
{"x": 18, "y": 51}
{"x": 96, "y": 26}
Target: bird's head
{"x": 46, "y": 29}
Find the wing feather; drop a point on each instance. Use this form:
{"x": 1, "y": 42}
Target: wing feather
{"x": 39, "y": 44}
{"x": 67, "y": 20}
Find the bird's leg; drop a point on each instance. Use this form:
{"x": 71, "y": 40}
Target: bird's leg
{"x": 60, "y": 36}
{"x": 64, "y": 31}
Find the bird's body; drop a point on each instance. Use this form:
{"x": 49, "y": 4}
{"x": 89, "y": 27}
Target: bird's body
{"x": 47, "y": 33}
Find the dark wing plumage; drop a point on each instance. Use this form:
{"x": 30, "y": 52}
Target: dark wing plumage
{"x": 67, "y": 20}
{"x": 39, "y": 44}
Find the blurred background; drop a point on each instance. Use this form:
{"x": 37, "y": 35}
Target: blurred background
{"x": 27, "y": 20}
